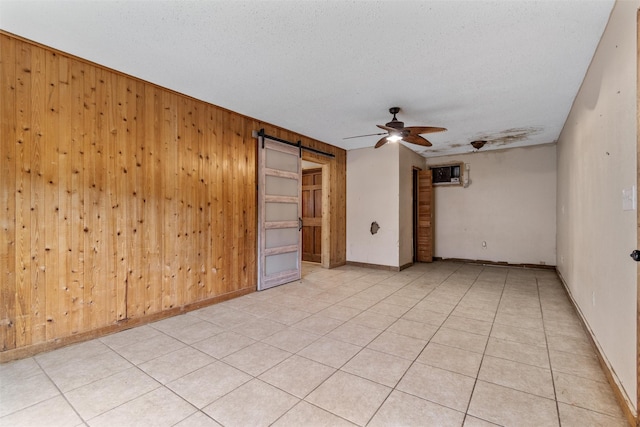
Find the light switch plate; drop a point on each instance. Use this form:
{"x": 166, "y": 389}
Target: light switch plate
{"x": 629, "y": 201}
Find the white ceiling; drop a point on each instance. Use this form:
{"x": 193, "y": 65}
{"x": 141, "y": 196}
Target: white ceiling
{"x": 503, "y": 71}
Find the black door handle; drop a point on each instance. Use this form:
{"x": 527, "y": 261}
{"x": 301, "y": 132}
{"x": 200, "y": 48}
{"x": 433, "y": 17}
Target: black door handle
{"x": 299, "y": 223}
{"x": 635, "y": 255}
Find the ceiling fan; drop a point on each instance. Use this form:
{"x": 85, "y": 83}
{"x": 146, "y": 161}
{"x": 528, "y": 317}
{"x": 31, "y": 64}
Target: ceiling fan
{"x": 396, "y": 131}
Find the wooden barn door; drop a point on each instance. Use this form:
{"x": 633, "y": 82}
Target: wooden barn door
{"x": 424, "y": 223}
{"x": 279, "y": 213}
{"x": 312, "y": 215}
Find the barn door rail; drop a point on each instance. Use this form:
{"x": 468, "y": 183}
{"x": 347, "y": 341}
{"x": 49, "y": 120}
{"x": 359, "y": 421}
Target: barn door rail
{"x": 298, "y": 144}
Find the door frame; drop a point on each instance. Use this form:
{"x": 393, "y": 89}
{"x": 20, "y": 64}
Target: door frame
{"x": 638, "y": 218}
{"x": 325, "y": 164}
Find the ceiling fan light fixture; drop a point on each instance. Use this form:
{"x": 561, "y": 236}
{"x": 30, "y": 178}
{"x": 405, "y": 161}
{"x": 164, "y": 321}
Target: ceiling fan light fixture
{"x": 394, "y": 138}
{"x": 478, "y": 144}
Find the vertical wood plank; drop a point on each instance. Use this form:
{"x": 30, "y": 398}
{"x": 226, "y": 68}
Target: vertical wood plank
{"x": 37, "y": 198}
{"x": 7, "y": 198}
{"x": 76, "y": 197}
{"x": 105, "y": 291}
{"x": 23, "y": 323}
{"x": 119, "y": 212}
{"x": 169, "y": 155}
{"x": 51, "y": 203}
{"x": 64, "y": 189}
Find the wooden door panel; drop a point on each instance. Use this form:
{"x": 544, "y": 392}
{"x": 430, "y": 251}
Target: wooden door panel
{"x": 312, "y": 215}
{"x": 424, "y": 237}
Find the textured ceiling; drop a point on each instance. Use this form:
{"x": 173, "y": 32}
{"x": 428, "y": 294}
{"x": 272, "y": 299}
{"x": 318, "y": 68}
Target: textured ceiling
{"x": 502, "y": 71}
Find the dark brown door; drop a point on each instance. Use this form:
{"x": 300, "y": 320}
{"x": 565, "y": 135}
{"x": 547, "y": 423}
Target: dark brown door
{"x": 312, "y": 215}
{"x": 424, "y": 234}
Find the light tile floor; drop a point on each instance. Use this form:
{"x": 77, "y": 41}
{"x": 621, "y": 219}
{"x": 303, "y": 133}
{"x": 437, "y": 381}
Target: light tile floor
{"x": 442, "y": 344}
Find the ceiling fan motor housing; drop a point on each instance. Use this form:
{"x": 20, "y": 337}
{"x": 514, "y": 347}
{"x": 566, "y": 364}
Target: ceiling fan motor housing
{"x": 395, "y": 123}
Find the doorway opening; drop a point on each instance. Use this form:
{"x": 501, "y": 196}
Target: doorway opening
{"x": 312, "y": 211}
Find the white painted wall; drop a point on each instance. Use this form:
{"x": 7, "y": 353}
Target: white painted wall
{"x": 509, "y": 204}
{"x": 372, "y": 195}
{"x": 408, "y": 160}
{"x": 596, "y": 161}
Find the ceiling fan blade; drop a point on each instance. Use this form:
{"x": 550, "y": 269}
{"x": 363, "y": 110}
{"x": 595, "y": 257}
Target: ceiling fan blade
{"x": 381, "y": 142}
{"x": 362, "y": 136}
{"x": 416, "y": 130}
{"x": 416, "y": 139}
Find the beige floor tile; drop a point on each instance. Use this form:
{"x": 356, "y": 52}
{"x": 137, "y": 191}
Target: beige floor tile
{"x": 256, "y": 358}
{"x": 297, "y": 375}
{"x": 19, "y": 369}
{"x": 223, "y": 344}
{"x": 451, "y": 358}
{"x": 129, "y": 337}
{"x": 75, "y": 353}
{"x": 357, "y": 303}
{"x": 569, "y": 344}
{"x": 460, "y": 339}
{"x": 507, "y": 407}
{"x": 402, "y": 409}
{"x": 330, "y": 352}
{"x": 255, "y": 403}
{"x": 348, "y": 396}
{"x": 318, "y": 324}
{"x": 398, "y": 345}
{"x": 340, "y": 312}
{"x": 224, "y": 317}
{"x": 576, "y": 364}
{"x": 586, "y": 393}
{"x": 474, "y": 313}
{"x": 198, "y": 419}
{"x": 151, "y": 348}
{"x": 176, "y": 364}
{"x": 379, "y": 367}
{"x": 438, "y": 385}
{"x": 518, "y": 352}
{"x": 259, "y": 329}
{"x": 159, "y": 407}
{"x": 474, "y": 326}
{"x": 388, "y": 309}
{"x": 425, "y": 316}
{"x": 572, "y": 416}
{"x": 524, "y": 336}
{"x": 77, "y": 373}
{"x": 403, "y": 301}
{"x": 261, "y": 308}
{"x": 305, "y": 414}
{"x": 354, "y": 333}
{"x": 470, "y": 421}
{"x": 19, "y": 393}
{"x": 100, "y": 396}
{"x": 291, "y": 339}
{"x": 194, "y": 332}
{"x": 436, "y": 306}
{"x": 413, "y": 329}
{"x": 374, "y": 320}
{"x": 208, "y": 383}
{"x": 518, "y": 376}
{"x": 51, "y": 412}
{"x": 176, "y": 323}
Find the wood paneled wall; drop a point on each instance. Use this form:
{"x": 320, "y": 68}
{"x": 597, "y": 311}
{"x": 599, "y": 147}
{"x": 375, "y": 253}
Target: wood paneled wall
{"x": 121, "y": 202}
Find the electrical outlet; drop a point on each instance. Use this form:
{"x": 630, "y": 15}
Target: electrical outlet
{"x": 629, "y": 202}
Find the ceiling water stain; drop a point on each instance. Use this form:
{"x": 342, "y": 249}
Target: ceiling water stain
{"x": 510, "y": 136}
